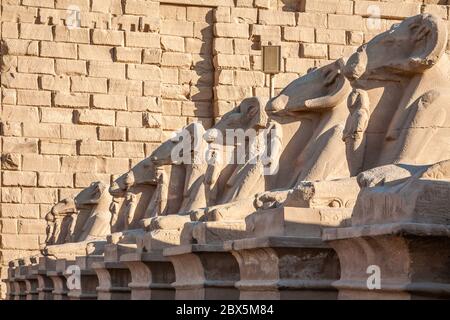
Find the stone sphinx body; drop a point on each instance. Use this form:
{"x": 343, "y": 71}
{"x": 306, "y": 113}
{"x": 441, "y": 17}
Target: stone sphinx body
{"x": 411, "y": 59}
{"x": 76, "y": 223}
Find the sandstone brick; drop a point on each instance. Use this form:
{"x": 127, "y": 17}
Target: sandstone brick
{"x": 143, "y": 72}
{"x": 79, "y": 164}
{"x": 129, "y": 119}
{"x": 10, "y": 210}
{"x": 95, "y": 52}
{"x": 197, "y": 46}
{"x": 176, "y": 92}
{"x": 125, "y": 87}
{"x": 36, "y": 31}
{"x": 222, "y": 14}
{"x": 10, "y": 128}
{"x": 199, "y": 93}
{"x": 281, "y": 80}
{"x": 19, "y": 145}
{"x": 70, "y": 67}
{"x": 331, "y": 36}
{"x": 55, "y": 83}
{"x": 31, "y": 227}
{"x": 177, "y": 28}
{"x": 10, "y": 30}
{"x": 84, "y": 5}
{"x": 173, "y": 12}
{"x": 20, "y": 114}
{"x": 111, "y": 134}
{"x": 152, "y": 88}
{"x": 22, "y": 242}
{"x": 203, "y": 31}
{"x": 198, "y": 14}
{"x": 142, "y": 40}
{"x": 173, "y": 123}
{"x": 329, "y": 6}
{"x": 223, "y": 45}
{"x": 144, "y": 134}
{"x": 151, "y": 120}
{"x": 302, "y": 34}
{"x": 58, "y": 50}
{"x": 249, "y": 78}
{"x": 58, "y": 147}
{"x": 39, "y": 195}
{"x": 355, "y": 38}
{"x": 35, "y": 65}
{"x": 174, "y": 59}
{"x": 312, "y": 50}
{"x": 391, "y": 10}
{"x": 41, "y": 130}
{"x": 91, "y": 147}
{"x": 14, "y": 13}
{"x": 172, "y": 43}
{"x": 11, "y": 195}
{"x": 232, "y": 92}
{"x": 232, "y": 30}
{"x": 19, "y": 80}
{"x": 34, "y": 98}
{"x": 83, "y": 180}
{"x": 141, "y": 8}
{"x": 266, "y": 33}
{"x": 8, "y": 226}
{"x": 337, "y": 51}
{"x": 8, "y": 96}
{"x": 57, "y": 180}
{"x": 76, "y": 132}
{"x": 108, "y": 37}
{"x": 275, "y": 17}
{"x": 300, "y": 66}
{"x": 244, "y": 15}
{"x": 78, "y": 35}
{"x": 129, "y": 149}
{"x": 107, "y": 6}
{"x": 152, "y": 56}
{"x": 40, "y": 163}
{"x": 343, "y": 22}
{"x": 97, "y": 117}
{"x": 85, "y": 84}
{"x": 128, "y": 55}
{"x": 115, "y": 165}
{"x": 71, "y": 100}
{"x": 315, "y": 20}
{"x": 198, "y": 109}
{"x": 13, "y": 178}
{"x": 171, "y": 107}
{"x": 20, "y": 47}
{"x": 224, "y": 61}
{"x": 143, "y": 104}
{"x": 107, "y": 101}
{"x": 171, "y": 75}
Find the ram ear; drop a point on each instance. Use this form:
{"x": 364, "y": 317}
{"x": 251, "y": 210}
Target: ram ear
{"x": 332, "y": 99}
{"x": 430, "y": 33}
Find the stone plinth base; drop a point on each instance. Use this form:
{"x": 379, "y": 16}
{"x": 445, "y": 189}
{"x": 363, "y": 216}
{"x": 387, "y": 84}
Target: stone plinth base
{"x": 204, "y": 272}
{"x": 113, "y": 278}
{"x": 152, "y": 276}
{"x": 284, "y": 268}
{"x": 413, "y": 260}
{"x": 45, "y": 284}
{"x": 88, "y": 279}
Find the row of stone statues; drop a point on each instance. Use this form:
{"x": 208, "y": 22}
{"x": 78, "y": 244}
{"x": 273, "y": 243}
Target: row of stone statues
{"x": 363, "y": 140}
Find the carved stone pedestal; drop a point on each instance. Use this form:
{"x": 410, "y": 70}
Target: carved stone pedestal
{"x": 113, "y": 278}
{"x": 31, "y": 281}
{"x": 20, "y": 288}
{"x": 152, "y": 276}
{"x": 413, "y": 260}
{"x": 204, "y": 272}
{"x": 45, "y": 284}
{"x": 9, "y": 282}
{"x": 216, "y": 232}
{"x": 60, "y": 290}
{"x": 88, "y": 279}
{"x": 285, "y": 268}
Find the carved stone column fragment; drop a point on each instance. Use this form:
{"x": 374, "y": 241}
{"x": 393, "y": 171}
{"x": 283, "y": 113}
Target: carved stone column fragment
{"x": 204, "y": 272}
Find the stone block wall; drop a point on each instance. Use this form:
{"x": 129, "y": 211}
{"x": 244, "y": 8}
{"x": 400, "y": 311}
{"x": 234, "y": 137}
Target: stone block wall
{"x": 90, "y": 87}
